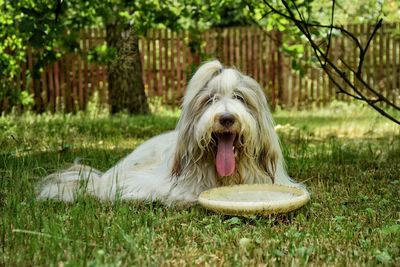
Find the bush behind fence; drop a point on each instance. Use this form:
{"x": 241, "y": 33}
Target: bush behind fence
{"x": 68, "y": 83}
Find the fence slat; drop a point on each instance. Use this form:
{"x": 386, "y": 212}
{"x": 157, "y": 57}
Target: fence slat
{"x": 172, "y": 74}
{"x": 154, "y": 69}
{"x": 184, "y": 61}
{"x": 81, "y": 100}
{"x": 73, "y": 81}
{"x": 397, "y": 93}
{"x": 30, "y": 67}
{"x": 51, "y": 97}
{"x": 43, "y": 94}
{"x": 167, "y": 86}
{"x": 387, "y": 61}
{"x": 159, "y": 69}
{"x": 394, "y": 68}
{"x": 243, "y": 50}
{"x": 178, "y": 66}
{"x": 67, "y": 85}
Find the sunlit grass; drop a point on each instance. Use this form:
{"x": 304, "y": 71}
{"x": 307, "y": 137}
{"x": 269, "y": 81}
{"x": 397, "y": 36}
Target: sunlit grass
{"x": 339, "y": 119}
{"x": 348, "y": 156}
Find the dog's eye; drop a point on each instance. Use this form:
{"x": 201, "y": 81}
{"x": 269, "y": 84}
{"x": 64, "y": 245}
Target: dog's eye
{"x": 210, "y": 99}
{"x": 238, "y": 97}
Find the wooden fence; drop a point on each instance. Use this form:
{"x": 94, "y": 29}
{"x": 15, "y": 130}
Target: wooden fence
{"x": 167, "y": 63}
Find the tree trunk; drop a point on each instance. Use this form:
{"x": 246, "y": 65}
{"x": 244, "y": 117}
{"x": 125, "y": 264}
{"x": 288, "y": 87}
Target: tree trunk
{"x": 125, "y": 84}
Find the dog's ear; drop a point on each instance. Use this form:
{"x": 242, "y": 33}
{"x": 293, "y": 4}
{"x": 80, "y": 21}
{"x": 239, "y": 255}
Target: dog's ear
{"x": 268, "y": 160}
{"x": 270, "y": 153}
{"x": 181, "y": 156}
{"x": 177, "y": 164}
{"x": 200, "y": 78}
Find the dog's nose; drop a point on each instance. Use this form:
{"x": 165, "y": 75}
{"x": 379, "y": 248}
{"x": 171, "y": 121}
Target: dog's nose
{"x": 227, "y": 119}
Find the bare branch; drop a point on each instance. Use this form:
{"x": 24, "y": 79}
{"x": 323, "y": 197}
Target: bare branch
{"x": 346, "y": 65}
{"x": 344, "y": 77}
{"x": 328, "y": 66}
{"x": 340, "y": 91}
{"x": 364, "y": 51}
{"x": 341, "y": 29}
{"x": 330, "y": 32}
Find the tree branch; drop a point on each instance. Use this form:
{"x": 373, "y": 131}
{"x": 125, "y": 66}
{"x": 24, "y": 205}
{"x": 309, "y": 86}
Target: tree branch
{"x": 364, "y": 51}
{"x": 324, "y": 61}
{"x": 330, "y": 32}
{"x": 341, "y": 29}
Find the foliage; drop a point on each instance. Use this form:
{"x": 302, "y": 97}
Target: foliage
{"x": 15, "y": 97}
{"x": 348, "y": 158}
{"x": 356, "y": 11}
{"x": 52, "y": 28}
{"x": 33, "y": 24}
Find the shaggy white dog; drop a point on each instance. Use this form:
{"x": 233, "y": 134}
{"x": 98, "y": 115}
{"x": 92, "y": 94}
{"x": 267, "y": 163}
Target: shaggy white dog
{"x": 224, "y": 136}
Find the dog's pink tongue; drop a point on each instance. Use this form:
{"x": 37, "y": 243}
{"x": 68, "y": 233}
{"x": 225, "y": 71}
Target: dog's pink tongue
{"x": 225, "y": 162}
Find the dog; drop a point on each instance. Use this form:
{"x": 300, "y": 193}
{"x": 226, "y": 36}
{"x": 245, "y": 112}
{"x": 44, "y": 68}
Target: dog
{"x": 225, "y": 136}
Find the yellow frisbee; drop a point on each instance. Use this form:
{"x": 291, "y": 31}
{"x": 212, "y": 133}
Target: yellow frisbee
{"x": 254, "y": 199}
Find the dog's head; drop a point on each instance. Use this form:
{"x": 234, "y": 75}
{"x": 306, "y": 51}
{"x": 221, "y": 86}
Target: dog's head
{"x": 225, "y": 122}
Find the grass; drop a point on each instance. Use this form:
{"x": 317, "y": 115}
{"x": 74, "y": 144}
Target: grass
{"x": 348, "y": 157}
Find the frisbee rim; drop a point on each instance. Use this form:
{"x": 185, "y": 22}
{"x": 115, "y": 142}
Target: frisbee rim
{"x": 232, "y": 207}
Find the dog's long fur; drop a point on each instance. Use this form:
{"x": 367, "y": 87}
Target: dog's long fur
{"x": 179, "y": 165}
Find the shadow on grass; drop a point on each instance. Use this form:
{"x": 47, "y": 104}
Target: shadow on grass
{"x": 325, "y": 164}
{"x": 354, "y": 194}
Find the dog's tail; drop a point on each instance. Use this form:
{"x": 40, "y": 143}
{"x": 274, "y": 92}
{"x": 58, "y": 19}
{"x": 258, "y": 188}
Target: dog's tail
{"x": 67, "y": 184}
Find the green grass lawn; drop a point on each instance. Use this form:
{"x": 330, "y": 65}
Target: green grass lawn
{"x": 348, "y": 157}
